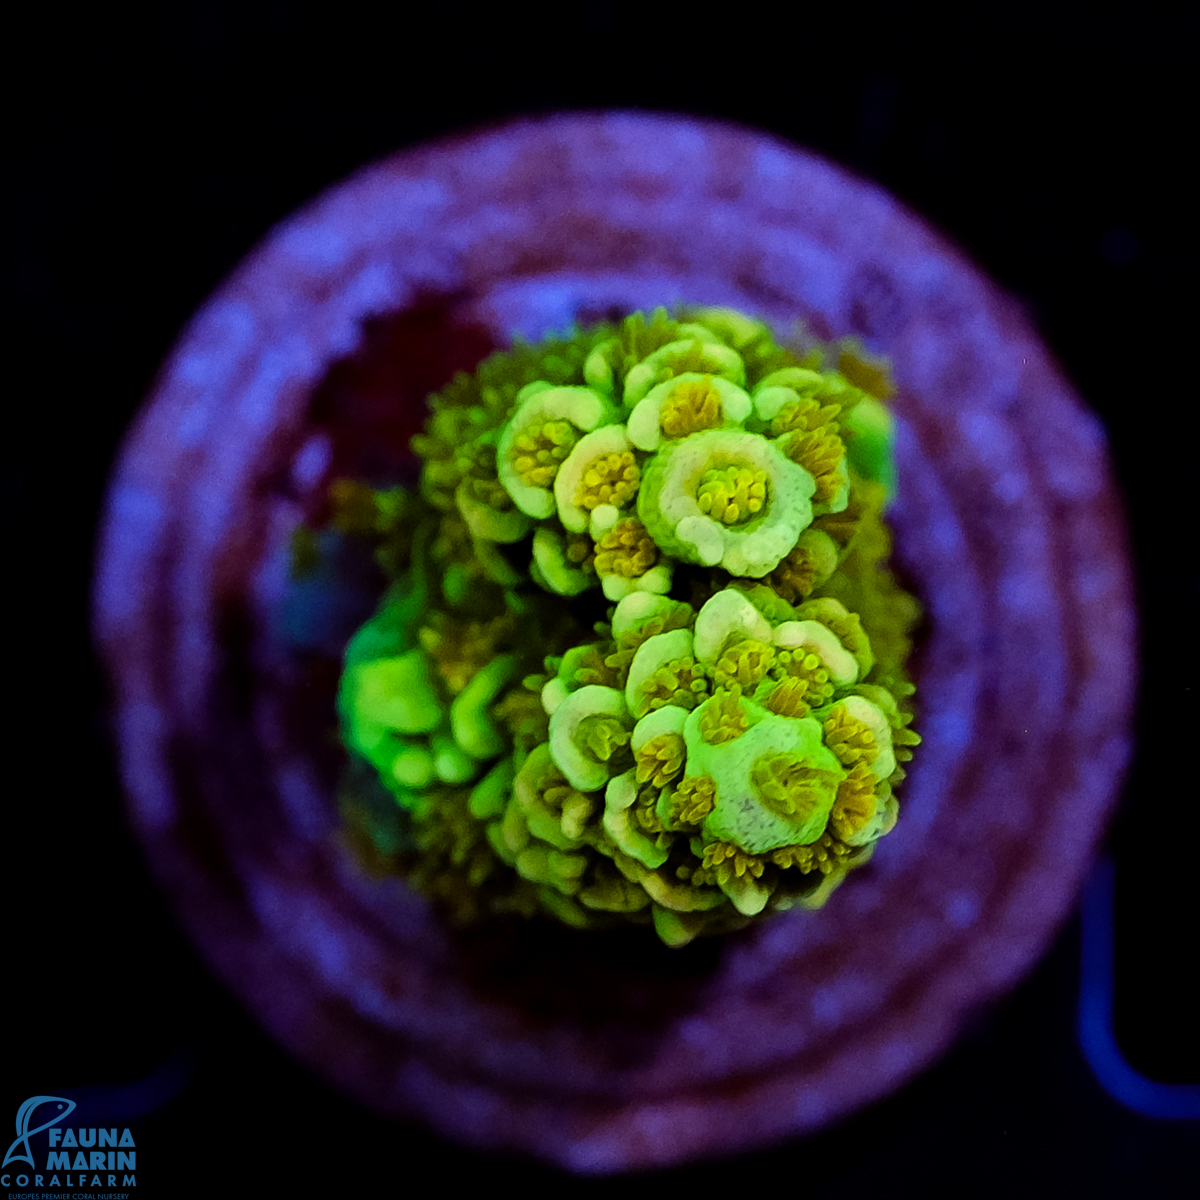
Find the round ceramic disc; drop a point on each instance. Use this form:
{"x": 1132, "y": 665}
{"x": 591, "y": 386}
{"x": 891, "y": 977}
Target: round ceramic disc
{"x": 604, "y": 1052}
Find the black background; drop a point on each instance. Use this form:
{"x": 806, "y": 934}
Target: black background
{"x": 148, "y": 154}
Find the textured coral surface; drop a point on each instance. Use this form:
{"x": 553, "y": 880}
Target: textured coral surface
{"x": 627, "y": 1053}
{"x": 614, "y": 677}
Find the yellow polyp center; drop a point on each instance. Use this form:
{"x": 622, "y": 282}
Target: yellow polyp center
{"x": 594, "y": 667}
{"x": 626, "y": 549}
{"x": 855, "y": 803}
{"x": 850, "y": 739}
{"x": 795, "y": 575}
{"x": 691, "y": 407}
{"x": 803, "y": 415}
{"x": 745, "y": 663}
{"x": 601, "y": 737}
{"x": 732, "y": 495}
{"x": 681, "y": 682}
{"x": 789, "y": 787}
{"x": 788, "y": 697}
{"x": 610, "y": 479}
{"x": 693, "y": 799}
{"x": 723, "y": 719}
{"x": 539, "y": 449}
{"x": 804, "y": 665}
{"x": 660, "y": 759}
{"x": 644, "y": 810}
{"x": 820, "y": 453}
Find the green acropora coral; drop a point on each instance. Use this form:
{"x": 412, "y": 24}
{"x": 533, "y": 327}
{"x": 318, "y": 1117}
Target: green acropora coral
{"x": 641, "y": 659}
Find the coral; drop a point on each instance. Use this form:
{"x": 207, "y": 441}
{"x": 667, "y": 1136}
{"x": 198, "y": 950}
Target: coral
{"x": 641, "y": 659}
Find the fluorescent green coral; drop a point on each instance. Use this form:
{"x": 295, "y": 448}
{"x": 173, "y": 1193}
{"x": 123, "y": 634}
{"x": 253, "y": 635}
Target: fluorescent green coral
{"x": 539, "y": 437}
{"x": 596, "y": 480}
{"x": 685, "y": 405}
{"x": 775, "y": 780}
{"x": 641, "y": 660}
{"x": 589, "y": 731}
{"x": 627, "y": 559}
{"x": 725, "y": 498}
{"x": 702, "y": 355}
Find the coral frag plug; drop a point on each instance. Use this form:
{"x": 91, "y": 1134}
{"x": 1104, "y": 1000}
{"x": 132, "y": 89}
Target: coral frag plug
{"x": 639, "y": 663}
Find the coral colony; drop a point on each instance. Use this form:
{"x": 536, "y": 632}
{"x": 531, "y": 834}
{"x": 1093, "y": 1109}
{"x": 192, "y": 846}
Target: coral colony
{"x": 640, "y": 660}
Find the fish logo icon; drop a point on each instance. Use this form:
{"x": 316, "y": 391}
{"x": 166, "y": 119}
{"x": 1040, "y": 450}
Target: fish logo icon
{"x": 24, "y": 1115}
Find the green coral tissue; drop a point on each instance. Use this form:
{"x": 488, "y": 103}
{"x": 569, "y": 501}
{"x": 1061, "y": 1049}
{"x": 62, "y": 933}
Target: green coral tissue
{"x": 641, "y": 659}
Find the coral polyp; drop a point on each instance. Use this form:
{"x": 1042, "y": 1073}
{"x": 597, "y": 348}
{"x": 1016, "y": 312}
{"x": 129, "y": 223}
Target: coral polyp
{"x": 641, "y": 658}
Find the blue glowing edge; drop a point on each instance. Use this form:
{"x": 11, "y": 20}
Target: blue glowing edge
{"x": 1163, "y": 1100}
